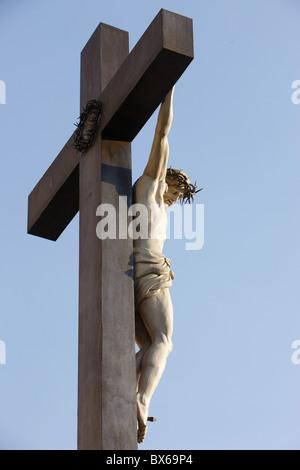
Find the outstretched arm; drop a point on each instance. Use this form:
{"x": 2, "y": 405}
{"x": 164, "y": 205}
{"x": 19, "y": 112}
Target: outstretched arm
{"x": 158, "y": 160}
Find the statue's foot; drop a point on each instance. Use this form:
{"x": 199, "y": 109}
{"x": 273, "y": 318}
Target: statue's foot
{"x": 142, "y": 414}
{"x": 141, "y": 434}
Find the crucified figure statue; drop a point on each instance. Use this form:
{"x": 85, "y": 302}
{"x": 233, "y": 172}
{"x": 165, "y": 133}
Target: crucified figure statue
{"x": 157, "y": 189}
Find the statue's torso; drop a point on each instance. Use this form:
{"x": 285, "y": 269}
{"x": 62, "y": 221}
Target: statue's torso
{"x": 149, "y": 192}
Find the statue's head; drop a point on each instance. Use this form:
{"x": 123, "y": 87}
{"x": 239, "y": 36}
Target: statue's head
{"x": 179, "y": 187}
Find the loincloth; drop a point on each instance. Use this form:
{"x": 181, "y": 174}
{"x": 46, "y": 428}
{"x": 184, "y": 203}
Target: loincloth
{"x": 151, "y": 274}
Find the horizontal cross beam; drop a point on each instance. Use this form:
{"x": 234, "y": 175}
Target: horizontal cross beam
{"x": 54, "y": 201}
{"x": 130, "y": 98}
{"x": 146, "y": 76}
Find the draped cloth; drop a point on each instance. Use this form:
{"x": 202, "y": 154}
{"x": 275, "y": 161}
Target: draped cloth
{"x": 151, "y": 274}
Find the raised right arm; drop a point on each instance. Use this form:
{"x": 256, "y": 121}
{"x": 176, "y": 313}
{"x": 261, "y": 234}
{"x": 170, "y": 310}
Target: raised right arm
{"x": 158, "y": 160}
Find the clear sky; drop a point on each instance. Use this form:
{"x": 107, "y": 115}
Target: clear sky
{"x": 230, "y": 382}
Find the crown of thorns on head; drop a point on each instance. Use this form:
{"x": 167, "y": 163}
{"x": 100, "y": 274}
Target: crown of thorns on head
{"x": 87, "y": 127}
{"x": 182, "y": 182}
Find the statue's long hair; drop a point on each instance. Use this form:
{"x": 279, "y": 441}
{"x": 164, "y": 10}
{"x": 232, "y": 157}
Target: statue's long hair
{"x": 181, "y": 180}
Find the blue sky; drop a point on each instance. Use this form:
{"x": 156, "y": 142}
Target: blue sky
{"x": 229, "y": 382}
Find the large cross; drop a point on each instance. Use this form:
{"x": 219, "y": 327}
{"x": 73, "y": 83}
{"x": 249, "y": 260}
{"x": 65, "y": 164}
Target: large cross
{"x": 129, "y": 86}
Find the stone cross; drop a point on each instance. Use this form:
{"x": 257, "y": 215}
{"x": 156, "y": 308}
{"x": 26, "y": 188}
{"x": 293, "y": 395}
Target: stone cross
{"x": 129, "y": 86}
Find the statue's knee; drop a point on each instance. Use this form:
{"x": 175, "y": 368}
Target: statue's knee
{"x": 166, "y": 342}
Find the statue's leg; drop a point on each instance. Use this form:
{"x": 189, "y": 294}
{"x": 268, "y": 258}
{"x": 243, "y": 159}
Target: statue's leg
{"x": 157, "y": 315}
{"x": 143, "y": 341}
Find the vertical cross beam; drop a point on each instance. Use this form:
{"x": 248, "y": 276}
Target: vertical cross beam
{"x": 106, "y": 369}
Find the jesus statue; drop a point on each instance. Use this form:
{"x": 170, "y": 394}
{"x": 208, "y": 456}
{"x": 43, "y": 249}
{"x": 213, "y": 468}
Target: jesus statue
{"x": 157, "y": 189}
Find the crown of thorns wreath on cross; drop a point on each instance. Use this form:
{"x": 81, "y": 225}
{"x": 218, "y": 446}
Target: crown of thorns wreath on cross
{"x": 182, "y": 182}
{"x": 87, "y": 127}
